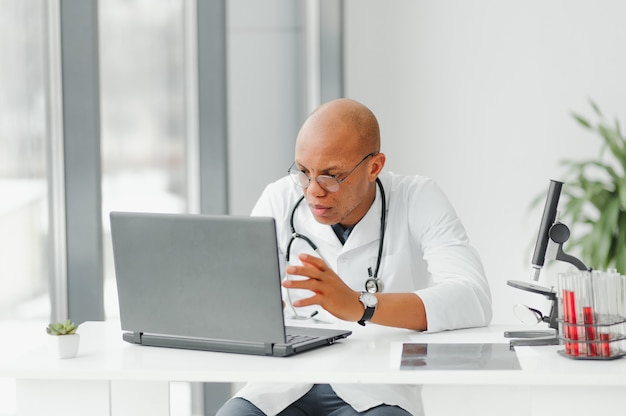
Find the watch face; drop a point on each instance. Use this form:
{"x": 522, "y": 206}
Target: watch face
{"x": 369, "y": 299}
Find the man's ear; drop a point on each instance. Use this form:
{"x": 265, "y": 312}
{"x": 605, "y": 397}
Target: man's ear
{"x": 376, "y": 167}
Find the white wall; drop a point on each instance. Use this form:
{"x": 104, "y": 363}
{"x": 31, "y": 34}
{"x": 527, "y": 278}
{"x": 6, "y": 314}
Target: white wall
{"x": 478, "y": 94}
{"x": 265, "y": 104}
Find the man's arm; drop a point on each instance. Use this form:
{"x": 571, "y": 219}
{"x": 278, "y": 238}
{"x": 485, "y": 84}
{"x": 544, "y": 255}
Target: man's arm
{"x": 403, "y": 310}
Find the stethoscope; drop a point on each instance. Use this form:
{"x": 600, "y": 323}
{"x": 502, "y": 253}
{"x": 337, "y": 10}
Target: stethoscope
{"x": 373, "y": 284}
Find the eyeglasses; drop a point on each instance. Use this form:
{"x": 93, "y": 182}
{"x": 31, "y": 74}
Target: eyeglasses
{"x": 326, "y": 182}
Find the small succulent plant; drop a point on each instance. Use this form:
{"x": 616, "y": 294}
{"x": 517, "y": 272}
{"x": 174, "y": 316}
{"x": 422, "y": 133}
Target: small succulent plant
{"x": 66, "y": 327}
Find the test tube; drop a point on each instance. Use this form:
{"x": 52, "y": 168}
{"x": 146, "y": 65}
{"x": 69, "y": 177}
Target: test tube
{"x": 619, "y": 309}
{"x": 568, "y": 313}
{"x": 606, "y": 294}
{"x": 622, "y": 310}
{"x": 590, "y": 336}
{"x": 585, "y": 299}
{"x": 563, "y": 308}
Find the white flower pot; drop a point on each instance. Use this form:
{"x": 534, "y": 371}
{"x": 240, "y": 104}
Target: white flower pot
{"x": 67, "y": 345}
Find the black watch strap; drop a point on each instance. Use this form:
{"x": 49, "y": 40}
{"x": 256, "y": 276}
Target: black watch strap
{"x": 367, "y": 315}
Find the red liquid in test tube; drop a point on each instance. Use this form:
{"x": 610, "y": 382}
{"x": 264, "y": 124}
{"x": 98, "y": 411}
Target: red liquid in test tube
{"x": 565, "y": 308}
{"x": 589, "y": 331}
{"x": 605, "y": 348}
{"x": 569, "y": 318}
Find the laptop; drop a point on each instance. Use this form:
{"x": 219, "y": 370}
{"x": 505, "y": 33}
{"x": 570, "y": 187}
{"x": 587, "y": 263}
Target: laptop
{"x": 205, "y": 282}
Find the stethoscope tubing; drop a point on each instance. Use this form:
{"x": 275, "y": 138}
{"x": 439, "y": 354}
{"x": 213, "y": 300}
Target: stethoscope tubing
{"x": 383, "y": 219}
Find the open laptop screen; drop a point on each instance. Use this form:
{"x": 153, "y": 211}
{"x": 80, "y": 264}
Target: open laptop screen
{"x": 198, "y": 276}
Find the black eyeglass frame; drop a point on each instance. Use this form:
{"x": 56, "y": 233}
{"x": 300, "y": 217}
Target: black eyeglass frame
{"x": 299, "y": 177}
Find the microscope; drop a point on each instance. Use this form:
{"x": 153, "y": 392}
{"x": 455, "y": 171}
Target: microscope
{"x": 549, "y": 246}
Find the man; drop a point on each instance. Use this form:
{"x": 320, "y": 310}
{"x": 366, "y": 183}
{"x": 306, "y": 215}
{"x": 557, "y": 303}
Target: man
{"x": 396, "y": 235}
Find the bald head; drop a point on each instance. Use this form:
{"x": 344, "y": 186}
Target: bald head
{"x": 341, "y": 140}
{"x": 343, "y": 115}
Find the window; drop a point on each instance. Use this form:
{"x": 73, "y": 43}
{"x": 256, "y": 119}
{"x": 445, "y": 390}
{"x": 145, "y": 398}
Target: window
{"x": 142, "y": 78}
{"x": 23, "y": 177}
{"x": 23, "y": 170}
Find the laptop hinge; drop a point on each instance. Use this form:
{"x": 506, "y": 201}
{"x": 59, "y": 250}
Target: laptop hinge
{"x": 269, "y": 348}
{"x": 137, "y": 337}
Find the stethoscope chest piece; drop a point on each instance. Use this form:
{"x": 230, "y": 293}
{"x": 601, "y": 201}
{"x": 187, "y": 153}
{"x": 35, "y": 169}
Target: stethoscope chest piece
{"x": 374, "y": 285}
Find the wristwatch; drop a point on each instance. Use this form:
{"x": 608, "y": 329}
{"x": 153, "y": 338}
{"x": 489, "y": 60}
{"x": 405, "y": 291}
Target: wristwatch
{"x": 369, "y": 301}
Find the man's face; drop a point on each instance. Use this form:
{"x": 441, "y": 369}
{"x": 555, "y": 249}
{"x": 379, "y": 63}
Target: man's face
{"x": 336, "y": 153}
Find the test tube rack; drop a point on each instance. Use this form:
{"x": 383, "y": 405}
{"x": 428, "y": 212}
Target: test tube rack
{"x": 592, "y": 315}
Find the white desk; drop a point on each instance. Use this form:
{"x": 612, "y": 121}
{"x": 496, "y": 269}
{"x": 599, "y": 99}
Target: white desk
{"x": 113, "y": 377}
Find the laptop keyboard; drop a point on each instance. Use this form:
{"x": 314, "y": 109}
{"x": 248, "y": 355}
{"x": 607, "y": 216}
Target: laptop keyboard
{"x": 297, "y": 338}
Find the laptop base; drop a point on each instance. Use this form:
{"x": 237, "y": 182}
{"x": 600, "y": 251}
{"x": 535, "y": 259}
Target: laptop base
{"x": 327, "y": 337}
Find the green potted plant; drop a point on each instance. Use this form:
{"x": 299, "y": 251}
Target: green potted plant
{"x": 66, "y": 337}
{"x": 594, "y": 193}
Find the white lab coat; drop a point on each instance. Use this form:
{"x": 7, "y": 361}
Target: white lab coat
{"x": 426, "y": 251}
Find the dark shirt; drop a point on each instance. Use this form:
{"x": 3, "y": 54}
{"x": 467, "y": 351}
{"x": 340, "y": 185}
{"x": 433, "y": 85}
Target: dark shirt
{"x": 342, "y": 232}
